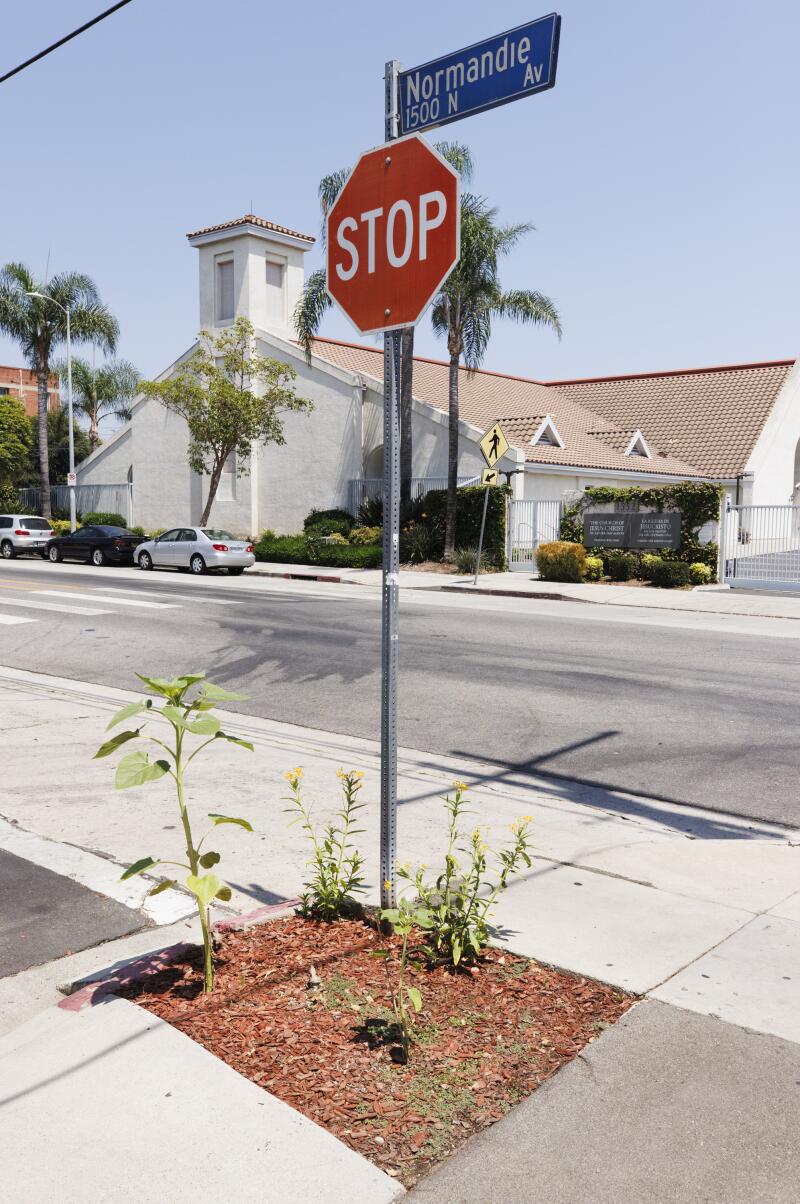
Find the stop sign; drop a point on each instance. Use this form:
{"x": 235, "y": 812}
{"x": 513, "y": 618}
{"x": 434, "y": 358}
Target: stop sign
{"x": 393, "y": 234}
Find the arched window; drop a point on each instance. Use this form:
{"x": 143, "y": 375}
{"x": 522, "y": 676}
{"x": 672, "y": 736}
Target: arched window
{"x": 373, "y": 464}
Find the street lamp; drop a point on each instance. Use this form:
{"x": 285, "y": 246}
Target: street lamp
{"x": 46, "y": 297}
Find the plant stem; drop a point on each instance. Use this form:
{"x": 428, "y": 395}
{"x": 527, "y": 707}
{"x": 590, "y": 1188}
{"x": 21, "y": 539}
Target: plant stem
{"x": 191, "y": 853}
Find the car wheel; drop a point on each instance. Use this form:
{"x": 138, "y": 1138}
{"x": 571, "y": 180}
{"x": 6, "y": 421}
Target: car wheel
{"x": 7, "y": 549}
{"x": 197, "y": 564}
{"x": 53, "y": 555}
{"x": 98, "y": 558}
{"x": 145, "y": 561}
{"x": 235, "y": 572}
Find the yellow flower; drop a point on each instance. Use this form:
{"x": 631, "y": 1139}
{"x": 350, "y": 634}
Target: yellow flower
{"x": 460, "y": 785}
{"x": 387, "y": 885}
{"x": 341, "y": 775}
{"x": 527, "y": 819}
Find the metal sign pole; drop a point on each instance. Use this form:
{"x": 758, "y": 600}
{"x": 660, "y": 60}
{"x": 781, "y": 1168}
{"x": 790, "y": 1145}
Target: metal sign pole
{"x": 390, "y": 636}
{"x": 483, "y": 528}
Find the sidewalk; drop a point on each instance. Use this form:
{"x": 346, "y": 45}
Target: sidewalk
{"x": 702, "y": 600}
{"x": 698, "y": 911}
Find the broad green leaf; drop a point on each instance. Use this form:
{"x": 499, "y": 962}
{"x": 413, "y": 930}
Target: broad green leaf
{"x": 160, "y": 886}
{"x": 456, "y": 951}
{"x": 115, "y": 742}
{"x": 229, "y": 819}
{"x": 189, "y": 679}
{"x": 415, "y": 997}
{"x": 204, "y": 725}
{"x": 160, "y": 685}
{"x": 136, "y": 769}
{"x": 391, "y": 915}
{"x": 209, "y": 859}
{"x": 234, "y": 740}
{"x": 138, "y": 867}
{"x": 204, "y": 888}
{"x": 133, "y": 708}
{"x": 223, "y": 894}
{"x": 217, "y": 692}
{"x": 175, "y": 714}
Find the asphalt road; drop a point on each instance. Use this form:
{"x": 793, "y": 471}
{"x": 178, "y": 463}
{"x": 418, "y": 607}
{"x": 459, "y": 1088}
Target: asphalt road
{"x": 687, "y": 708}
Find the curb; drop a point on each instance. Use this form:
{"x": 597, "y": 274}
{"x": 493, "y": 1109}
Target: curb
{"x": 301, "y": 576}
{"x": 512, "y": 593}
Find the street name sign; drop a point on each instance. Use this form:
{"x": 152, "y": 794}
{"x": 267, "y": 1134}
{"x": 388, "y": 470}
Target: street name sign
{"x": 393, "y": 235}
{"x": 490, "y": 476}
{"x": 632, "y": 530}
{"x": 494, "y": 72}
{"x": 494, "y": 445}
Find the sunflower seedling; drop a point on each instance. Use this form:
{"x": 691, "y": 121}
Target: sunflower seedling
{"x": 186, "y": 717}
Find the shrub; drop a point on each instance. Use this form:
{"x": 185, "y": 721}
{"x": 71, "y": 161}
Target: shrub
{"x": 302, "y": 549}
{"x": 289, "y": 548}
{"x": 366, "y": 535}
{"x": 459, "y": 901}
{"x": 335, "y": 864}
{"x": 103, "y": 518}
{"x": 700, "y": 574}
{"x": 370, "y": 512}
{"x": 335, "y": 538}
{"x": 647, "y": 563}
{"x": 418, "y": 543}
{"x": 61, "y": 526}
{"x": 155, "y": 534}
{"x": 669, "y": 574}
{"x": 350, "y": 556}
{"x": 620, "y": 566}
{"x": 469, "y": 513}
{"x": 593, "y": 568}
{"x": 329, "y": 522}
{"x": 560, "y": 561}
{"x": 465, "y": 559}
{"x": 186, "y": 718}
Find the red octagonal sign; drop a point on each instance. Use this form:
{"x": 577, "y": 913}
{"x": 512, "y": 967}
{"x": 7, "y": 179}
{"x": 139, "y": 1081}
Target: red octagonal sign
{"x": 393, "y": 235}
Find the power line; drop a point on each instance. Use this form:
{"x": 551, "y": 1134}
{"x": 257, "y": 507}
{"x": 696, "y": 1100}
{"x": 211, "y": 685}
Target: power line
{"x": 61, "y": 41}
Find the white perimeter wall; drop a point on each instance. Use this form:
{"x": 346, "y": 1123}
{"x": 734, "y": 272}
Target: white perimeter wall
{"x": 772, "y": 461}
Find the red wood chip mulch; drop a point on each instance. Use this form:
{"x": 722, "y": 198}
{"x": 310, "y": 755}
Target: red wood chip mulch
{"x": 484, "y": 1038}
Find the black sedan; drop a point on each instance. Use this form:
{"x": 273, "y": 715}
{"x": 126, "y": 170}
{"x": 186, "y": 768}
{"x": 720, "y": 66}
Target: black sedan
{"x": 98, "y": 545}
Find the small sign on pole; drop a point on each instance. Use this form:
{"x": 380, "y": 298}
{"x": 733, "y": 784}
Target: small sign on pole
{"x": 490, "y": 476}
{"x": 72, "y": 479}
{"x": 494, "y": 445}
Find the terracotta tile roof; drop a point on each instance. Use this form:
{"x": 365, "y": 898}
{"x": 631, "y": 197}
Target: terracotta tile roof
{"x": 710, "y": 416}
{"x": 591, "y": 441}
{"x": 250, "y": 219}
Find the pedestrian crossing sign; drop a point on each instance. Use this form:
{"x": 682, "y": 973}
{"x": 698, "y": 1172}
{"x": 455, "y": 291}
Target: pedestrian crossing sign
{"x": 494, "y": 445}
{"x": 490, "y": 477}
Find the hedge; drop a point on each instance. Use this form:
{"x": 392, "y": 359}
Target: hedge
{"x": 560, "y": 561}
{"x": 698, "y": 502}
{"x": 297, "y": 549}
{"x": 469, "y": 511}
{"x": 103, "y": 518}
{"x": 669, "y": 574}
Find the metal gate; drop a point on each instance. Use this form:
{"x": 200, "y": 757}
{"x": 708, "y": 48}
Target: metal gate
{"x": 529, "y": 524}
{"x": 760, "y": 547}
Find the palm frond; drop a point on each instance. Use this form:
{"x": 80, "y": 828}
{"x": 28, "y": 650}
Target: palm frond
{"x": 530, "y": 307}
{"x": 329, "y": 188}
{"x": 459, "y": 157}
{"x": 310, "y": 310}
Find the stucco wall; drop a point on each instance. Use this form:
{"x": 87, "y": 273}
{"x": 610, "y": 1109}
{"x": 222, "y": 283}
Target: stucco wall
{"x": 772, "y": 461}
{"x": 430, "y": 440}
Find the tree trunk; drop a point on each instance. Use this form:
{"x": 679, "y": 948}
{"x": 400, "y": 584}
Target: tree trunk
{"x": 94, "y": 435}
{"x": 406, "y": 394}
{"x": 212, "y": 489}
{"x": 452, "y": 460}
{"x": 42, "y": 379}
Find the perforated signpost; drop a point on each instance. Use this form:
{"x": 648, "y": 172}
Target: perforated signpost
{"x": 393, "y": 237}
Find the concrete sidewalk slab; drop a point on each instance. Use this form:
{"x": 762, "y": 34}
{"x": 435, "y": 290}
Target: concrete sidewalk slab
{"x": 752, "y": 979}
{"x": 112, "y": 1103}
{"x": 666, "y": 1107}
{"x": 45, "y": 915}
{"x": 620, "y": 932}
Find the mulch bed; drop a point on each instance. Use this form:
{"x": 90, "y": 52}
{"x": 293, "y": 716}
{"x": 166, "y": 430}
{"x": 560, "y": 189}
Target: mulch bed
{"x": 485, "y": 1038}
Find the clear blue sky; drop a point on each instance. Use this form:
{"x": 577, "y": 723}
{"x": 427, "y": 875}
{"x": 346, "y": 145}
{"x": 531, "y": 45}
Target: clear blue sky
{"x": 661, "y": 172}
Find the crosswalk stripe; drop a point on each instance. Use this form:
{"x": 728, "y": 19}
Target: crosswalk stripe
{"x": 7, "y": 620}
{"x": 55, "y": 593}
{"x": 61, "y": 608}
{"x": 105, "y": 589}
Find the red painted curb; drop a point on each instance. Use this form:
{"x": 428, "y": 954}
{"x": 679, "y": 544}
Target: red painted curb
{"x": 301, "y": 577}
{"x": 150, "y": 963}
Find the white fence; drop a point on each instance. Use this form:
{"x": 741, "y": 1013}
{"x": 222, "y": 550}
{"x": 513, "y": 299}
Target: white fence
{"x": 529, "y": 524}
{"x": 369, "y": 487}
{"x": 89, "y": 499}
{"x": 761, "y": 547}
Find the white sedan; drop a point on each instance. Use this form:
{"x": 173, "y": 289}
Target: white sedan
{"x": 196, "y": 549}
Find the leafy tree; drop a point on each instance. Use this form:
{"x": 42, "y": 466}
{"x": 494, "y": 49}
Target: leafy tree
{"x": 15, "y": 441}
{"x": 314, "y": 303}
{"x": 214, "y": 390}
{"x": 463, "y": 311}
{"x": 105, "y": 392}
{"x": 57, "y": 448}
{"x": 38, "y": 325}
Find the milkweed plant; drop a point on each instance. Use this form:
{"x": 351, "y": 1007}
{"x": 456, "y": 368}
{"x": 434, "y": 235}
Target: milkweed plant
{"x": 186, "y": 709}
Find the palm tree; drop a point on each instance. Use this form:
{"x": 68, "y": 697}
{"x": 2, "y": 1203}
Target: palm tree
{"x": 463, "y": 311}
{"x": 315, "y": 302}
{"x": 106, "y": 392}
{"x": 38, "y": 325}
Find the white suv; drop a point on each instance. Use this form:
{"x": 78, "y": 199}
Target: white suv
{"x": 20, "y": 533}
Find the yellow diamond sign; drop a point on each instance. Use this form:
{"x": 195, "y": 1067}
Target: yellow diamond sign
{"x": 490, "y": 476}
{"x": 494, "y": 445}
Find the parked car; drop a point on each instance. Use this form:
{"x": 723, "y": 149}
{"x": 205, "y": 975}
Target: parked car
{"x": 100, "y": 545}
{"x": 197, "y": 549}
{"x": 21, "y": 533}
